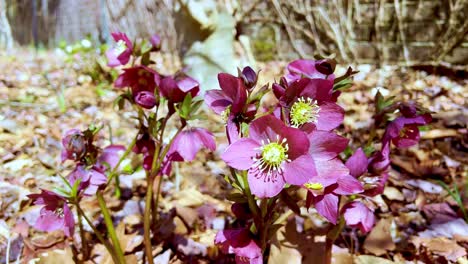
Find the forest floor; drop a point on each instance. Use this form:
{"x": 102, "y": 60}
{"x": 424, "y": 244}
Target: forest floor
{"x": 42, "y": 95}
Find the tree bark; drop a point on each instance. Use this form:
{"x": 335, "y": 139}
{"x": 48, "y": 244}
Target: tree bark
{"x": 6, "y": 39}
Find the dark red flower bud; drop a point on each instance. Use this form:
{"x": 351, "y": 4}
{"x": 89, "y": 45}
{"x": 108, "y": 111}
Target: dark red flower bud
{"x": 145, "y": 99}
{"x": 326, "y": 67}
{"x": 249, "y": 76}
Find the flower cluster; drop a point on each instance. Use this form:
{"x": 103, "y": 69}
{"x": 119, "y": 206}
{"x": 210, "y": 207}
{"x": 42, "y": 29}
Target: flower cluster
{"x": 91, "y": 166}
{"x": 294, "y": 145}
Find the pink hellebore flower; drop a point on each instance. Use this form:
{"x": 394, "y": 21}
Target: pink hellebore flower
{"x": 240, "y": 243}
{"x": 373, "y": 171}
{"x": 333, "y": 178}
{"x": 231, "y": 103}
{"x": 90, "y": 179}
{"x": 188, "y": 142}
{"x": 356, "y": 214}
{"x": 74, "y": 145}
{"x": 121, "y": 52}
{"x": 404, "y": 132}
{"x": 55, "y": 215}
{"x": 309, "y": 104}
{"x": 274, "y": 154}
{"x": 175, "y": 88}
{"x": 143, "y": 82}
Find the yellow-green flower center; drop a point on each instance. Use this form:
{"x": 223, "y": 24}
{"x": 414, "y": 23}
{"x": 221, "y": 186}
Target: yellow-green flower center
{"x": 304, "y": 111}
{"x": 120, "y": 47}
{"x": 272, "y": 156}
{"x": 314, "y": 186}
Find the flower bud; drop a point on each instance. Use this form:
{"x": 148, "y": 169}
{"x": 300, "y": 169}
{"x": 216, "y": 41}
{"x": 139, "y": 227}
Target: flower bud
{"x": 145, "y": 99}
{"x": 326, "y": 67}
{"x": 74, "y": 145}
{"x": 249, "y": 76}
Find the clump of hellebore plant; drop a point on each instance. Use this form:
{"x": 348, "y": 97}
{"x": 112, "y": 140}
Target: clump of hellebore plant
{"x": 277, "y": 152}
{"x": 156, "y": 100}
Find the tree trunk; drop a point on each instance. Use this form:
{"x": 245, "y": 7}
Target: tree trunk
{"x": 6, "y": 39}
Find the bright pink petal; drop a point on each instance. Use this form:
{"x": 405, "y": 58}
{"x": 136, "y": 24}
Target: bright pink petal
{"x": 300, "y": 170}
{"x": 263, "y": 186}
{"x": 325, "y": 145}
{"x": 357, "y": 163}
{"x": 327, "y": 206}
{"x": 348, "y": 185}
{"x": 239, "y": 155}
{"x": 217, "y": 100}
{"x": 330, "y": 117}
{"x": 356, "y": 214}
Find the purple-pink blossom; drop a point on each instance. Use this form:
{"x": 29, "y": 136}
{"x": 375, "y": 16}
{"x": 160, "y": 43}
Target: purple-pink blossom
{"x": 320, "y": 69}
{"x": 55, "y": 213}
{"x": 333, "y": 177}
{"x": 403, "y": 132}
{"x": 241, "y": 243}
{"x": 121, "y": 52}
{"x": 188, "y": 142}
{"x": 273, "y": 154}
{"x": 309, "y": 104}
{"x": 231, "y": 103}
{"x": 74, "y": 145}
{"x": 356, "y": 214}
{"x": 175, "y": 88}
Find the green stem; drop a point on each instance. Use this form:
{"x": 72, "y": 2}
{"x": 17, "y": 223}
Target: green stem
{"x": 110, "y": 228}
{"x": 156, "y": 202}
{"x": 147, "y": 220}
{"x": 113, "y": 172}
{"x": 98, "y": 234}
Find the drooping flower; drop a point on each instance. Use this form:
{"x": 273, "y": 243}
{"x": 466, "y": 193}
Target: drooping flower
{"x": 240, "y": 243}
{"x": 231, "y": 103}
{"x": 333, "y": 177}
{"x": 175, "y": 88}
{"x": 403, "y": 132}
{"x": 74, "y": 145}
{"x": 309, "y": 104}
{"x": 320, "y": 69}
{"x": 109, "y": 158}
{"x": 90, "y": 179}
{"x": 356, "y": 214}
{"x": 373, "y": 171}
{"x": 121, "y": 52}
{"x": 274, "y": 154}
{"x": 188, "y": 142}
{"x": 55, "y": 215}
{"x": 145, "y": 145}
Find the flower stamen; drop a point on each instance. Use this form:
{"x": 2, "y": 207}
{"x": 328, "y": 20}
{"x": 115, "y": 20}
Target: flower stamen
{"x": 304, "y": 110}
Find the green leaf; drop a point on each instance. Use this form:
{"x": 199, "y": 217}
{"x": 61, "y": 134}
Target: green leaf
{"x": 145, "y": 59}
{"x": 62, "y": 192}
{"x": 74, "y": 190}
{"x": 343, "y": 84}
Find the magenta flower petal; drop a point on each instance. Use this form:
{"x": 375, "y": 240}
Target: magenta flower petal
{"x": 234, "y": 88}
{"x": 331, "y": 169}
{"x": 300, "y": 170}
{"x": 109, "y": 157}
{"x": 263, "y": 186}
{"x": 155, "y": 41}
{"x": 232, "y": 129}
{"x": 348, "y": 185}
{"x": 90, "y": 179}
{"x": 325, "y": 145}
{"x": 119, "y": 55}
{"x": 190, "y": 141}
{"x": 74, "y": 145}
{"x": 318, "y": 89}
{"x": 239, "y": 154}
{"x": 356, "y": 214}
{"x": 305, "y": 68}
{"x": 217, "y": 100}
{"x": 330, "y": 116}
{"x": 55, "y": 215}
{"x": 327, "y": 206}
{"x": 240, "y": 243}
{"x": 145, "y": 99}
{"x": 357, "y": 163}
